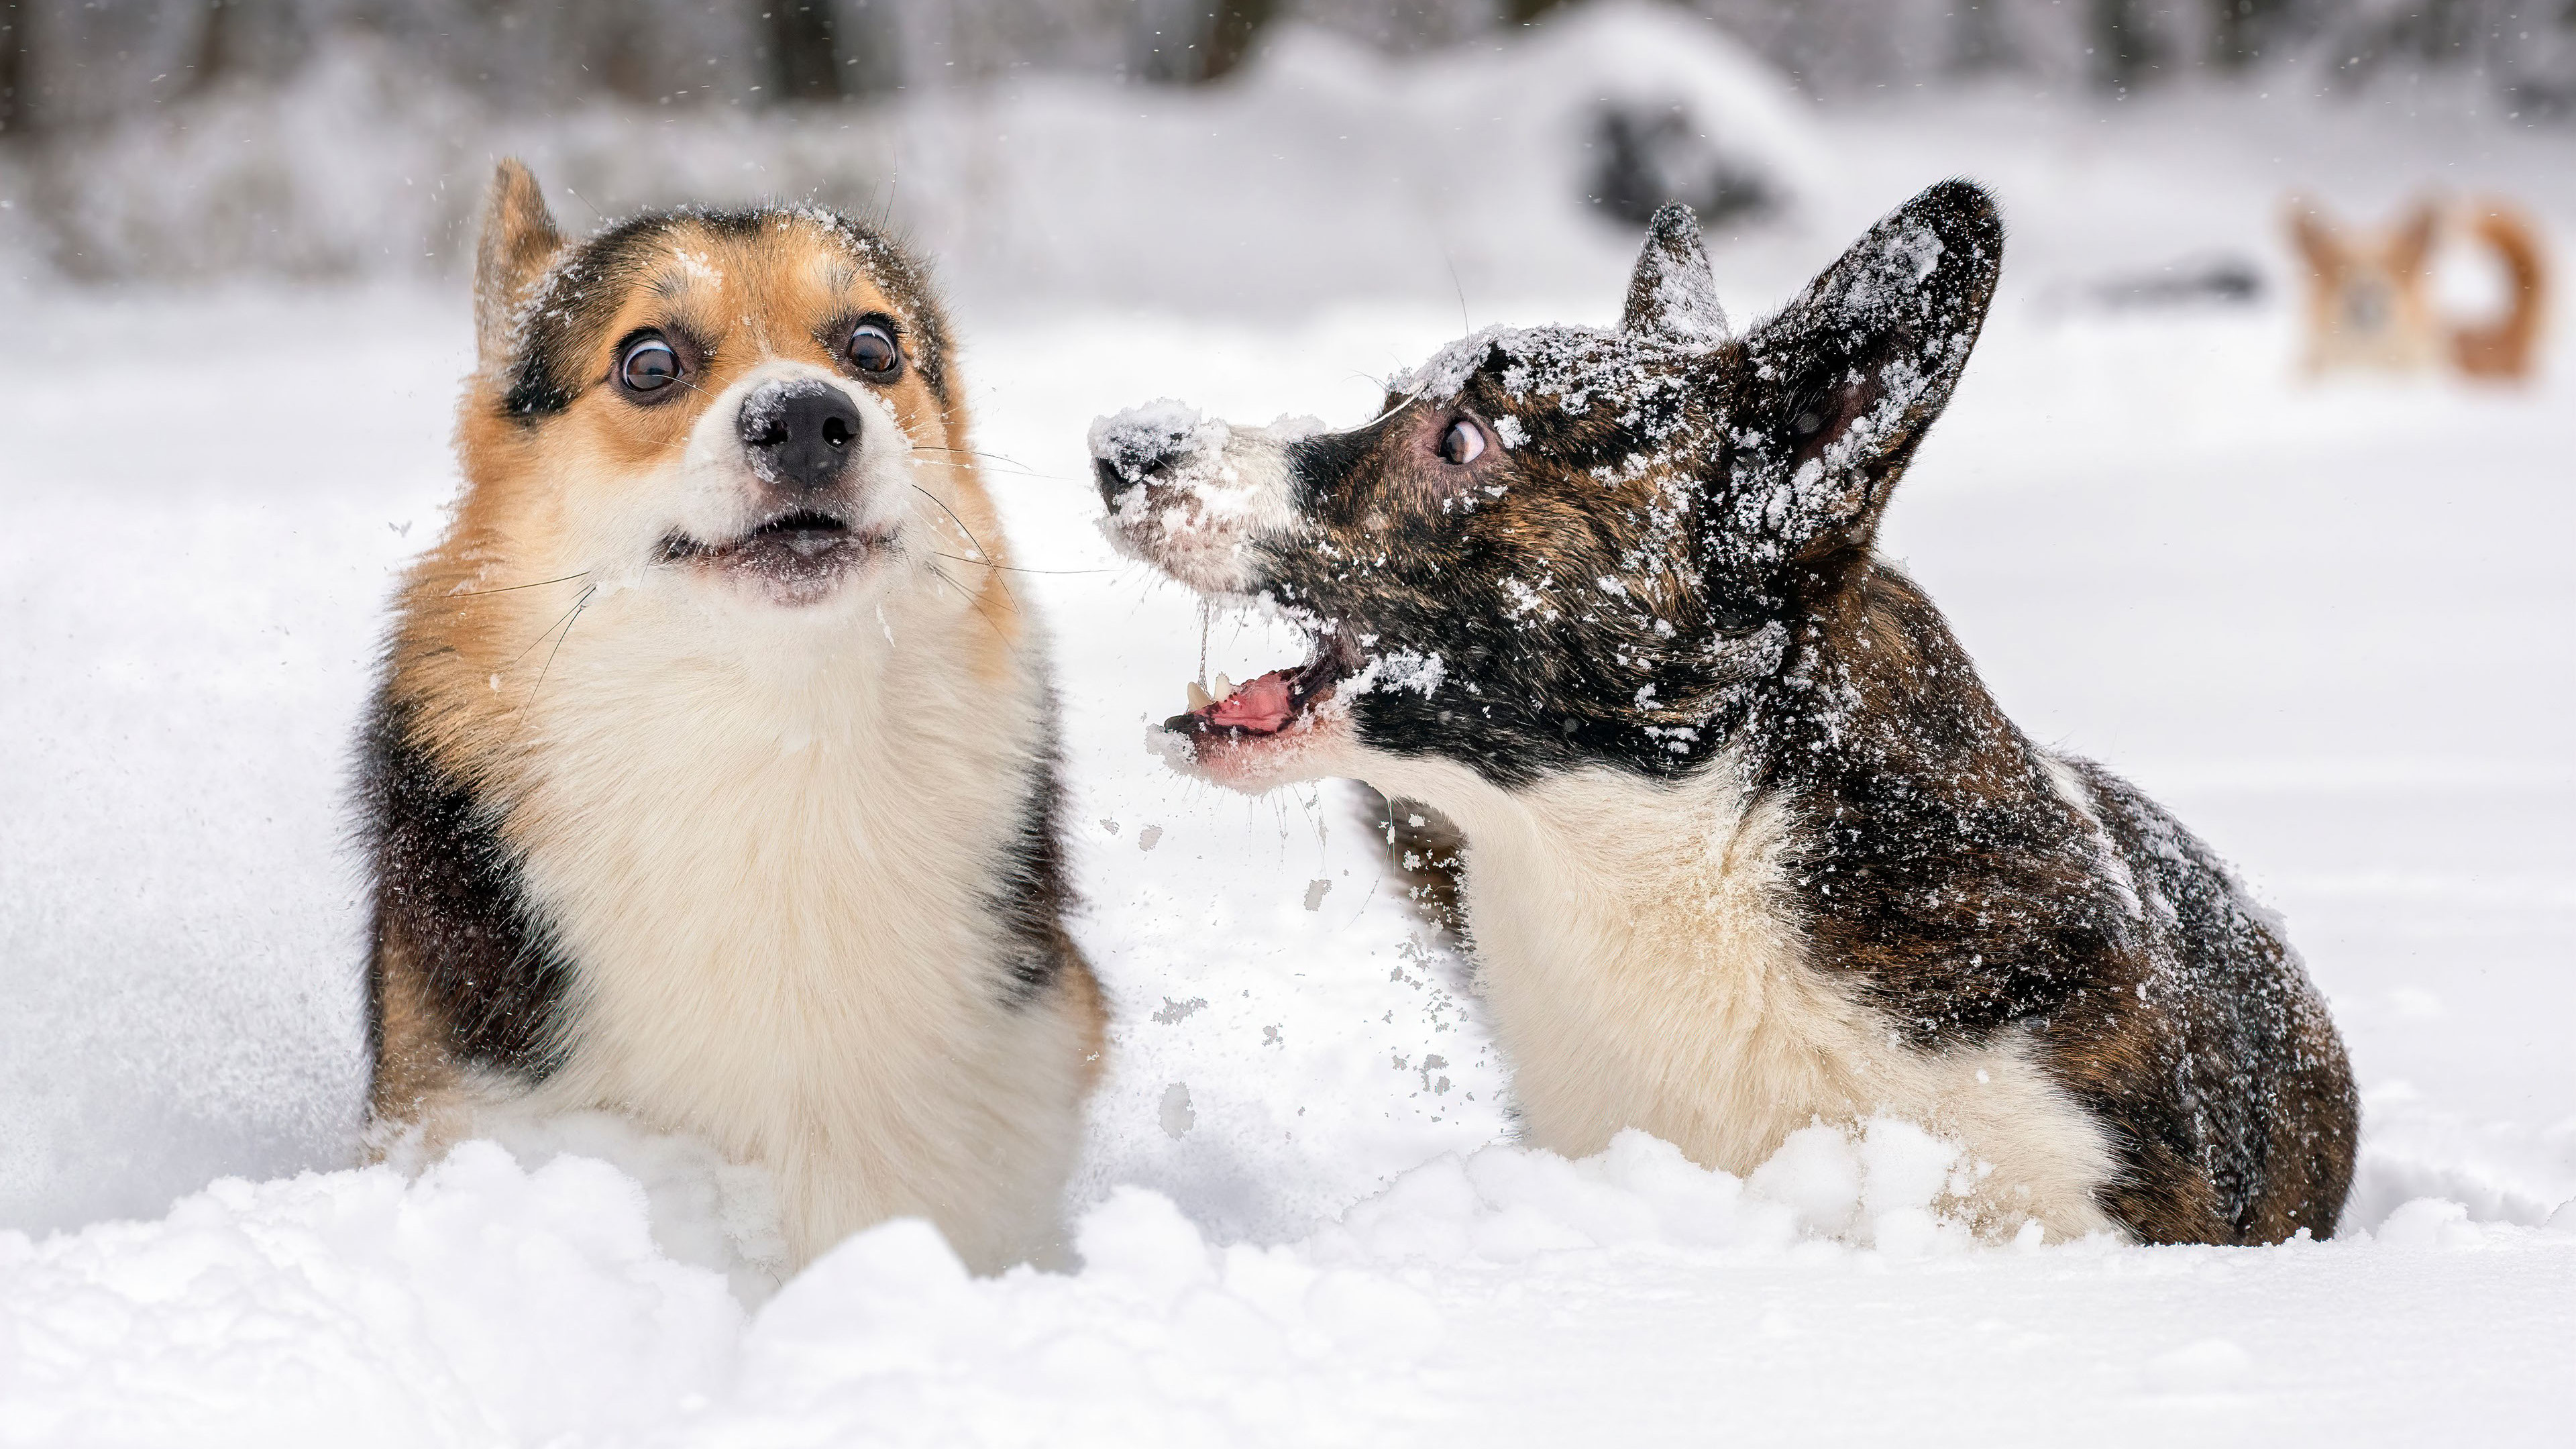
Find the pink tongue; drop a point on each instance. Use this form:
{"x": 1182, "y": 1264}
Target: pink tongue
{"x": 1261, "y": 705}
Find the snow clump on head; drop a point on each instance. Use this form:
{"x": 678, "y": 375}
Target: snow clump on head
{"x": 1571, "y": 371}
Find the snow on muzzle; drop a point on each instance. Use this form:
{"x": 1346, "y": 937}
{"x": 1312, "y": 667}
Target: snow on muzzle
{"x": 1192, "y": 495}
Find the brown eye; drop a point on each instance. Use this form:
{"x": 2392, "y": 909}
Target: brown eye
{"x": 872, "y": 351}
{"x": 1464, "y": 443}
{"x": 649, "y": 365}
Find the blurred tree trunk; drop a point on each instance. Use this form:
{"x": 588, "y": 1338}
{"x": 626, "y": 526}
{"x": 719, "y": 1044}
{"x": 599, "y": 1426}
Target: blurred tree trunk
{"x": 2239, "y": 30}
{"x": 219, "y": 47}
{"x": 802, "y": 64}
{"x": 1230, "y": 33}
{"x": 2124, "y": 49}
{"x": 1978, "y": 40}
{"x": 16, "y": 114}
{"x": 1522, "y": 12}
{"x": 870, "y": 48}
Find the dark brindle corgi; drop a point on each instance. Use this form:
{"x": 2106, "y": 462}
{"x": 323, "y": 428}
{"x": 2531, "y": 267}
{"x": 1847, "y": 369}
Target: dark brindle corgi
{"x": 712, "y": 774}
{"x": 1748, "y": 844}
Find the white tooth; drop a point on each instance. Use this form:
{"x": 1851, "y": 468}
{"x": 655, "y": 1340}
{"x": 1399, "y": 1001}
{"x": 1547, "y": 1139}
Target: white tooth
{"x": 1224, "y": 687}
{"x": 1199, "y": 697}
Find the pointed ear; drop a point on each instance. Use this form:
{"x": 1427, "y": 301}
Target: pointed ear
{"x": 2314, "y": 236}
{"x": 1837, "y": 390}
{"x": 2413, "y": 241}
{"x": 1673, "y": 296}
{"x": 519, "y": 240}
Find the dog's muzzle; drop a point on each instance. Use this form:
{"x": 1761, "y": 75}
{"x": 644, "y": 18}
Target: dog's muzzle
{"x": 1192, "y": 495}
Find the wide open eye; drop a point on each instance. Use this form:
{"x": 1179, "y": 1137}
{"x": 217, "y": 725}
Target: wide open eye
{"x": 872, "y": 351}
{"x": 1464, "y": 443}
{"x": 650, "y": 365}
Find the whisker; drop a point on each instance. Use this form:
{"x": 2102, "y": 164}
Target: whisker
{"x": 970, "y": 452}
{"x": 578, "y": 605}
{"x": 970, "y": 533}
{"x": 953, "y": 518}
{"x": 558, "y": 623}
{"x": 942, "y": 575}
{"x": 1011, "y": 568}
{"x": 512, "y": 588}
{"x": 997, "y": 472}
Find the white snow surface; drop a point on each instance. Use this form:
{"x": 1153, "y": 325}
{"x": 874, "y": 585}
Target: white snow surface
{"x": 2326, "y": 624}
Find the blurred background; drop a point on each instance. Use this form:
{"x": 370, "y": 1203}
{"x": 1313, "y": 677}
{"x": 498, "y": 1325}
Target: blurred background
{"x": 156, "y": 140}
{"x": 2196, "y": 509}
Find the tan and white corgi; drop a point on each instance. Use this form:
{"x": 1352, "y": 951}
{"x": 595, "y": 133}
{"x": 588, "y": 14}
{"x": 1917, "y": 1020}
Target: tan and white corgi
{"x": 2370, "y": 295}
{"x": 712, "y": 773}
{"x": 1747, "y": 844}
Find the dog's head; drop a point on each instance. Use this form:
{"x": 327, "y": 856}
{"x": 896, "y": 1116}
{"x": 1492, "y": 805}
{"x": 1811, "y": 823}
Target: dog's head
{"x": 1564, "y": 546}
{"x": 2369, "y": 302}
{"x": 750, "y": 409}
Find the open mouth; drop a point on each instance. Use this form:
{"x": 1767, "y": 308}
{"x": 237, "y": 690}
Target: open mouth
{"x": 800, "y": 552}
{"x": 1273, "y": 703}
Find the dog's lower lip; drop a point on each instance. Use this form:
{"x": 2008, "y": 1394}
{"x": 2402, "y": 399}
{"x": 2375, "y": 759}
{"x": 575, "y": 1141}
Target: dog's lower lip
{"x": 794, "y": 558}
{"x": 798, "y": 530}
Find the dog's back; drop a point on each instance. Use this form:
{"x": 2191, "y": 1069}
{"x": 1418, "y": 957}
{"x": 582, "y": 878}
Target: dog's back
{"x": 2269, "y": 1136}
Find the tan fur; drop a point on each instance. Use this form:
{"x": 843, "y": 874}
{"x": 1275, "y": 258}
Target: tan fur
{"x": 766, "y": 834}
{"x": 2370, "y": 305}
{"x": 2508, "y": 347}
{"x": 1633, "y": 950}
{"x": 413, "y": 1067}
{"x": 518, "y": 240}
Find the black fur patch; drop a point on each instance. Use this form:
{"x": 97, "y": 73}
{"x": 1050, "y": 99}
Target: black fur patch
{"x": 450, "y": 911}
{"x": 579, "y": 299}
{"x": 1034, "y": 891}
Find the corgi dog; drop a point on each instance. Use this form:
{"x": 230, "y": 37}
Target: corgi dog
{"x": 2370, "y": 303}
{"x": 1747, "y": 844}
{"x": 711, "y": 776}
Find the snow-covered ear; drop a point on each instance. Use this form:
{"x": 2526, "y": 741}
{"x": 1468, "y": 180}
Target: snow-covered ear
{"x": 1673, "y": 296}
{"x": 1836, "y": 391}
{"x": 518, "y": 241}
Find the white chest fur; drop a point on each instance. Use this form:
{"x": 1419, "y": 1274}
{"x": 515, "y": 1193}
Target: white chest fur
{"x": 773, "y": 863}
{"x": 1644, "y": 968}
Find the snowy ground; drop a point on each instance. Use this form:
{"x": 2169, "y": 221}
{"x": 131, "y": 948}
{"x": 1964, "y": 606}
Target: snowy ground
{"x": 2329, "y": 625}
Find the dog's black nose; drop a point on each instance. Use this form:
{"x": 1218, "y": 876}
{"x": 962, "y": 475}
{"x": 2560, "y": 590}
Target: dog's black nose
{"x": 799, "y": 435}
{"x": 1112, "y": 481}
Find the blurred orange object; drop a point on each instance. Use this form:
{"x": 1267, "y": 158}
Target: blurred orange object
{"x": 2371, "y": 303}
